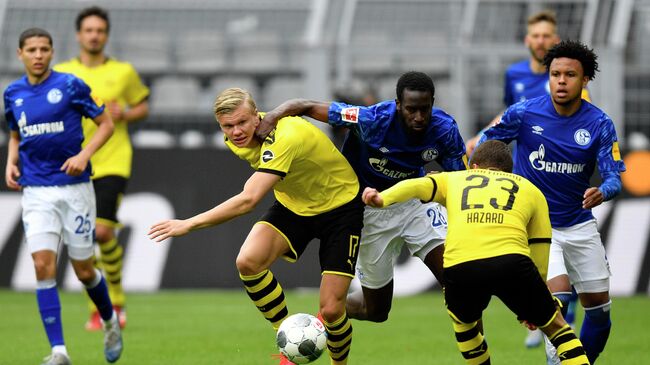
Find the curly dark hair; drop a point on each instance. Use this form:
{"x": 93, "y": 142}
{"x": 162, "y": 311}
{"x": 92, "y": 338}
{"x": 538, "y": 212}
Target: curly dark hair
{"x": 577, "y": 51}
{"x": 414, "y": 80}
{"x": 93, "y": 11}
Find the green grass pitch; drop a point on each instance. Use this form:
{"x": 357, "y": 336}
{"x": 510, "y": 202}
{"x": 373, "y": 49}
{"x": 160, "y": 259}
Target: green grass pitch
{"x": 223, "y": 327}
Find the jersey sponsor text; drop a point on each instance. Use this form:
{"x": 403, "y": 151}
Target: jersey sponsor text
{"x": 379, "y": 166}
{"x": 42, "y": 128}
{"x": 536, "y": 159}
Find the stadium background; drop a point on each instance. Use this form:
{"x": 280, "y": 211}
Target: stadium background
{"x": 187, "y": 51}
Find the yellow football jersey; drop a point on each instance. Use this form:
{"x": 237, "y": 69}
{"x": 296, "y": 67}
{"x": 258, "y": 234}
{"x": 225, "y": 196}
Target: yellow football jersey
{"x": 490, "y": 213}
{"x": 111, "y": 81}
{"x": 316, "y": 178}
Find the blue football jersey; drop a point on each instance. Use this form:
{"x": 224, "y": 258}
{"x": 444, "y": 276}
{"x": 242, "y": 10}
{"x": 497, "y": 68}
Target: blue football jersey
{"x": 559, "y": 154}
{"x": 521, "y": 83}
{"x": 381, "y": 152}
{"x": 48, "y": 118}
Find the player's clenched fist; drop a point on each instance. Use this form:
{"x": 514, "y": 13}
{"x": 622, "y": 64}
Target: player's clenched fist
{"x": 371, "y": 197}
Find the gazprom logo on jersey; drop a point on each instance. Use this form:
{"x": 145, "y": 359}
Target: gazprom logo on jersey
{"x": 537, "y": 161}
{"x": 38, "y": 129}
{"x": 379, "y": 165}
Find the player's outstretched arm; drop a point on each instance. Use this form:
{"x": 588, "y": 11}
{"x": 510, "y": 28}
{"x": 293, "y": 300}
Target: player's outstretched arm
{"x": 12, "y": 172}
{"x": 257, "y": 186}
{"x": 76, "y": 165}
{"x": 313, "y": 109}
{"x": 419, "y": 188}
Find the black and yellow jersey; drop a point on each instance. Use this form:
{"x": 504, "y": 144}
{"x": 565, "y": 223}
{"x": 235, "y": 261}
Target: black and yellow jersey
{"x": 316, "y": 178}
{"x": 490, "y": 213}
{"x": 111, "y": 81}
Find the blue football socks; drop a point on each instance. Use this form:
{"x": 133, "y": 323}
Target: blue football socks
{"x": 98, "y": 293}
{"x": 50, "y": 308}
{"x": 595, "y": 330}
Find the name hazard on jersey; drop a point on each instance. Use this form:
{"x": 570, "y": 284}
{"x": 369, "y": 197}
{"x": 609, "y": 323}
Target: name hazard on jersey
{"x": 484, "y": 217}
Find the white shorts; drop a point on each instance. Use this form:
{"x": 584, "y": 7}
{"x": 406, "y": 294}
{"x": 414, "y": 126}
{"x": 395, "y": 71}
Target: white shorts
{"x": 578, "y": 252}
{"x": 55, "y": 213}
{"x": 422, "y": 227}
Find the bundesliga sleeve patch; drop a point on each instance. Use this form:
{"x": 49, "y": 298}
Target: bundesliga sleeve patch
{"x": 616, "y": 152}
{"x": 350, "y": 115}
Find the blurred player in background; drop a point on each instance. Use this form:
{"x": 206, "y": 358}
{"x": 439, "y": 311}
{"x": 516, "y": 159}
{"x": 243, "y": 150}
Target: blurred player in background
{"x": 528, "y": 79}
{"x": 317, "y": 196}
{"x": 560, "y": 141}
{"x": 387, "y": 143}
{"x": 498, "y": 244}
{"x": 46, "y": 160}
{"x": 120, "y": 86}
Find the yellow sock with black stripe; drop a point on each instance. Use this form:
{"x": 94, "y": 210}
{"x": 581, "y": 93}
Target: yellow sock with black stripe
{"x": 569, "y": 348}
{"x": 471, "y": 343}
{"x": 339, "y": 337}
{"x": 112, "y": 255}
{"x": 268, "y": 296}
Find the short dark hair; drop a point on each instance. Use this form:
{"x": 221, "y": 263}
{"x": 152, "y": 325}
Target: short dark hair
{"x": 492, "y": 154}
{"x": 414, "y": 80}
{"x": 93, "y": 11}
{"x": 577, "y": 51}
{"x": 34, "y": 32}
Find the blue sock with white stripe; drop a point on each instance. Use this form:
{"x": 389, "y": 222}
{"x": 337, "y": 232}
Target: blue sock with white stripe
{"x": 595, "y": 330}
{"x": 98, "y": 293}
{"x": 50, "y": 308}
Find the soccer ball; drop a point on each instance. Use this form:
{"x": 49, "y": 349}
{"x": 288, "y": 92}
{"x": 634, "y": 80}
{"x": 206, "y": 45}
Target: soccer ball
{"x": 301, "y": 338}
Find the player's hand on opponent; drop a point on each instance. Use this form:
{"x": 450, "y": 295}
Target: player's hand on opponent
{"x": 371, "y": 197}
{"x": 115, "y": 110}
{"x": 592, "y": 197}
{"x": 267, "y": 124}
{"x": 170, "y": 228}
{"x": 12, "y": 173}
{"x": 471, "y": 144}
{"x": 75, "y": 165}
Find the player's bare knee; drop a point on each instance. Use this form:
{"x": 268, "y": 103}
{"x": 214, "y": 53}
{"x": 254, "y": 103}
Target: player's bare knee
{"x": 103, "y": 234}
{"x": 247, "y": 266}
{"x": 44, "y": 269}
{"x": 332, "y": 311}
{"x": 589, "y": 300}
{"x": 85, "y": 272}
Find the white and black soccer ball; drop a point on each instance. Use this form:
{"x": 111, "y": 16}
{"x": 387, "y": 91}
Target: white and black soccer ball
{"x": 301, "y": 338}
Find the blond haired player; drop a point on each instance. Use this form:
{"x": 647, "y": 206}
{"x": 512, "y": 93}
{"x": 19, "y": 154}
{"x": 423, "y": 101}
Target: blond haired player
{"x": 317, "y": 196}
